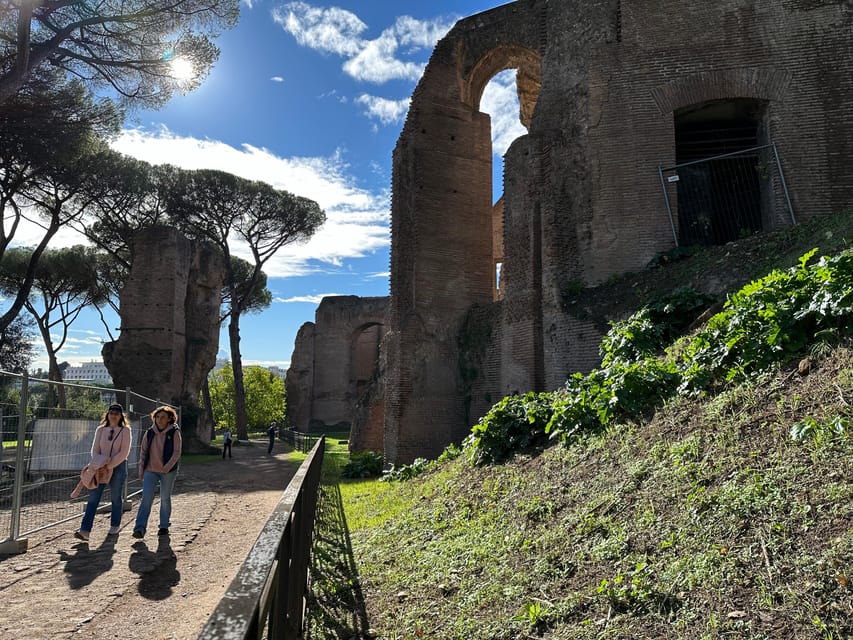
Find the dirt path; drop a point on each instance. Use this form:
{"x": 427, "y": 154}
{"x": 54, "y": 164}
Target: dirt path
{"x": 151, "y": 589}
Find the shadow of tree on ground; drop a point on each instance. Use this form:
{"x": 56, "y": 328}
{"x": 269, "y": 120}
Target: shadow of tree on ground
{"x": 335, "y": 603}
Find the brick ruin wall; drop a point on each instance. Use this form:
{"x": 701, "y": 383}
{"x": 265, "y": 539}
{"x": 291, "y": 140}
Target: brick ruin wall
{"x": 169, "y": 339}
{"x": 333, "y": 380}
{"x": 582, "y": 196}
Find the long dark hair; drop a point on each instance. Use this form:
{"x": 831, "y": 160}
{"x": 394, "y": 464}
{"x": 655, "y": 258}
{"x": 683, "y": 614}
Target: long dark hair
{"x": 105, "y": 420}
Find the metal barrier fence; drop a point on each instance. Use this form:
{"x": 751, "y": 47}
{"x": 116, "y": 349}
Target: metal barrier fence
{"x": 266, "y": 599}
{"x": 723, "y": 198}
{"x": 42, "y": 454}
{"x": 303, "y": 442}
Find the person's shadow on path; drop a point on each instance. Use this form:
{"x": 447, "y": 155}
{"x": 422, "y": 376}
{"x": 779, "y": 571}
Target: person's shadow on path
{"x": 84, "y": 565}
{"x": 157, "y": 570}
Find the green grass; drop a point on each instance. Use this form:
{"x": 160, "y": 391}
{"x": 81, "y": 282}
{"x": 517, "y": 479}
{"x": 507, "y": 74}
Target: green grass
{"x": 708, "y": 521}
{"x": 725, "y": 514}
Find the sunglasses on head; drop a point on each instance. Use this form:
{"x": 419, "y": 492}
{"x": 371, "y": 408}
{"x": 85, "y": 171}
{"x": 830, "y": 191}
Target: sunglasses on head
{"x": 112, "y": 433}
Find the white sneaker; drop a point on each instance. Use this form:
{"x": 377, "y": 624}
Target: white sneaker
{"x": 114, "y": 531}
{"x": 81, "y": 535}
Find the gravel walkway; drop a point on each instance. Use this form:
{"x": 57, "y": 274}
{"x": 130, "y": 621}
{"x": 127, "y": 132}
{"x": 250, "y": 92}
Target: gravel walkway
{"x": 151, "y": 589}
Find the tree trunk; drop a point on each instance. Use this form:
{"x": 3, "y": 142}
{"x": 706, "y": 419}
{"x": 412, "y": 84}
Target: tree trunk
{"x": 208, "y": 405}
{"x": 240, "y": 419}
{"x": 55, "y": 392}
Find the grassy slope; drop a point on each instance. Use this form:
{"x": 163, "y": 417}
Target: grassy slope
{"x": 706, "y": 521}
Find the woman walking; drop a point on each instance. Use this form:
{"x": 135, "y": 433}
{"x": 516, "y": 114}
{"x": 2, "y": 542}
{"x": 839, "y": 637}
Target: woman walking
{"x": 159, "y": 454}
{"x": 110, "y": 449}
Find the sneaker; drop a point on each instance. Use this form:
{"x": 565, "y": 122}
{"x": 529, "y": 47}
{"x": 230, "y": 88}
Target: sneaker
{"x": 81, "y": 535}
{"x": 138, "y": 533}
{"x": 114, "y": 531}
{"x": 163, "y": 531}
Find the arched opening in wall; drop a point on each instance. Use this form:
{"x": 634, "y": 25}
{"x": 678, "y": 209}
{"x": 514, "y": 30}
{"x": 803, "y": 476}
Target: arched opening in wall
{"x": 364, "y": 357}
{"x": 505, "y": 85}
{"x": 721, "y": 170}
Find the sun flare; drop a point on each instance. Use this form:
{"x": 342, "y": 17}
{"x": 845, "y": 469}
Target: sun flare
{"x": 182, "y": 69}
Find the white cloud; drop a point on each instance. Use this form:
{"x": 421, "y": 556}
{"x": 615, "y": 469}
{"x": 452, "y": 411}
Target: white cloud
{"x": 332, "y": 30}
{"x": 384, "y": 110}
{"x": 356, "y": 219}
{"x": 277, "y": 79}
{"x": 376, "y": 62}
{"x": 500, "y": 101}
{"x": 338, "y": 31}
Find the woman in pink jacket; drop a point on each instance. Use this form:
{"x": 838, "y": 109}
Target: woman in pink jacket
{"x": 110, "y": 449}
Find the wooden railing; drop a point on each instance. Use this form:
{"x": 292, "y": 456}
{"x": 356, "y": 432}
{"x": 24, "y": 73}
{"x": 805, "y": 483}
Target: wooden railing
{"x": 267, "y": 596}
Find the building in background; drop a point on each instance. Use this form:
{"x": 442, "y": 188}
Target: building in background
{"x": 92, "y": 371}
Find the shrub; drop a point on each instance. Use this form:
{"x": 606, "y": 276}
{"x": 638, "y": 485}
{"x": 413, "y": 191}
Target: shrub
{"x": 513, "y": 424}
{"x": 771, "y": 320}
{"x": 767, "y": 322}
{"x": 365, "y": 464}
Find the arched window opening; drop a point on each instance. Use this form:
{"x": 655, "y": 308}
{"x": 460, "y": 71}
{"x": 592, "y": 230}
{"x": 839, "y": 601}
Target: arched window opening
{"x": 722, "y": 180}
{"x": 509, "y": 99}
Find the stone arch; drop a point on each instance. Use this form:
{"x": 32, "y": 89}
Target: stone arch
{"x": 528, "y": 66}
{"x": 323, "y": 387}
{"x": 762, "y": 89}
{"x": 442, "y": 240}
{"x": 721, "y": 84}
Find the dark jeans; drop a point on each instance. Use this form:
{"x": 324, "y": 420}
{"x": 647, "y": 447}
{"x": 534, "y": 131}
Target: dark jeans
{"x": 272, "y": 442}
{"x": 116, "y": 485}
{"x": 226, "y": 446}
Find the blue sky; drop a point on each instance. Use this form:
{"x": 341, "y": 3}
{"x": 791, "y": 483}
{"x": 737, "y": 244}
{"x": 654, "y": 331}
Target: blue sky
{"x": 311, "y": 98}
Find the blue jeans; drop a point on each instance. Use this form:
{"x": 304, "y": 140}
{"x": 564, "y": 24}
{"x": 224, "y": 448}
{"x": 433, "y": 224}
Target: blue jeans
{"x": 150, "y": 480}
{"x": 116, "y": 484}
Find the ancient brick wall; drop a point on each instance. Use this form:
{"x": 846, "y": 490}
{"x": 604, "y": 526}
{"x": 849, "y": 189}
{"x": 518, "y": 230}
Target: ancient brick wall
{"x": 334, "y": 365}
{"x": 442, "y": 181}
{"x": 169, "y": 310}
{"x": 601, "y": 84}
{"x": 299, "y": 380}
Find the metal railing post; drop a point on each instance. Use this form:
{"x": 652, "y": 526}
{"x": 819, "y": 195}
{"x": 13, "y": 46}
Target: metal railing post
{"x": 17, "y": 545}
{"x": 784, "y": 184}
{"x": 668, "y": 207}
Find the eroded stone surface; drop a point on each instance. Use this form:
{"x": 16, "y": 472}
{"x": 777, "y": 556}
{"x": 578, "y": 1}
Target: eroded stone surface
{"x": 169, "y": 338}
{"x": 334, "y": 369}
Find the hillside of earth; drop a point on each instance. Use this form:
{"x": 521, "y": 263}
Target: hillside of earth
{"x": 696, "y": 486}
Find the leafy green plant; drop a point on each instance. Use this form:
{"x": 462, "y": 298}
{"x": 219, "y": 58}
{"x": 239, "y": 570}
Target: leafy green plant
{"x": 365, "y": 464}
{"x": 820, "y": 432}
{"x": 649, "y": 330}
{"x": 636, "y": 592}
{"x": 533, "y": 613}
{"x": 767, "y": 322}
{"x": 772, "y": 319}
{"x": 407, "y": 471}
{"x": 513, "y": 424}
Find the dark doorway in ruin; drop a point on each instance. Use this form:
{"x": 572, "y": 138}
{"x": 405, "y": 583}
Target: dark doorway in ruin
{"x": 717, "y": 149}
{"x": 365, "y": 357}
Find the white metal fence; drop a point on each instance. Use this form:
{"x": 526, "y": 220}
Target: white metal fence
{"x": 42, "y": 454}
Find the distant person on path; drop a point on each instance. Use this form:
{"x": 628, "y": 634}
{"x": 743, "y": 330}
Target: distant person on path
{"x": 271, "y": 434}
{"x": 226, "y": 443}
{"x": 159, "y": 454}
{"x": 110, "y": 449}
